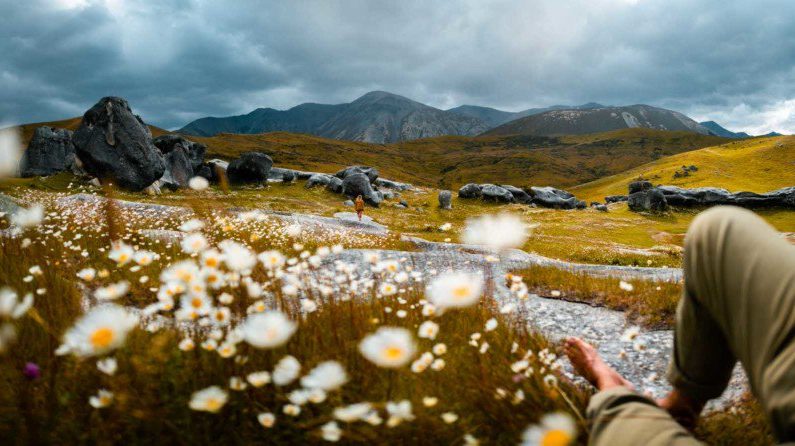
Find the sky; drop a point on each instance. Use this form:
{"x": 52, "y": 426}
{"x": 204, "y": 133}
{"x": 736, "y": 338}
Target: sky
{"x": 732, "y": 61}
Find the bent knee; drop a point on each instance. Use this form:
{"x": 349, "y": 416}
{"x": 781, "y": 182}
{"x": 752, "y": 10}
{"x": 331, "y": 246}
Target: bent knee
{"x": 710, "y": 224}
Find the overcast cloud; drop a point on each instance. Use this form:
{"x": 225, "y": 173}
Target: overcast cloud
{"x": 177, "y": 60}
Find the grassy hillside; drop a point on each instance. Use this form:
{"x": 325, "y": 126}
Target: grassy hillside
{"x": 452, "y": 161}
{"x": 756, "y": 165}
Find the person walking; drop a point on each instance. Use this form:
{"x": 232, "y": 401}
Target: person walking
{"x": 738, "y": 304}
{"x": 359, "y": 206}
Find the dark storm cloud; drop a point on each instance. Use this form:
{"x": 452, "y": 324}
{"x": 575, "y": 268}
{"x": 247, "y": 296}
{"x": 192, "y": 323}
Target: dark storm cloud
{"x": 732, "y": 61}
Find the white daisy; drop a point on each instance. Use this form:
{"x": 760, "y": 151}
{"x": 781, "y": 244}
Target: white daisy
{"x": 268, "y": 330}
{"x": 388, "y": 347}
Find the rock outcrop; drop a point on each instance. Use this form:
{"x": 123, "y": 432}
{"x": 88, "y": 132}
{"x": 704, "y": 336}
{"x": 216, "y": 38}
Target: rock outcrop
{"x": 647, "y": 200}
{"x": 356, "y": 184}
{"x": 50, "y": 151}
{"x": 656, "y": 199}
{"x": 470, "y": 190}
{"x": 496, "y": 193}
{"x": 555, "y": 198}
{"x": 250, "y": 167}
{"x": 519, "y": 195}
{"x": 370, "y": 172}
{"x": 195, "y": 151}
{"x": 445, "y": 199}
{"x": 115, "y": 145}
{"x": 615, "y": 198}
{"x": 179, "y": 169}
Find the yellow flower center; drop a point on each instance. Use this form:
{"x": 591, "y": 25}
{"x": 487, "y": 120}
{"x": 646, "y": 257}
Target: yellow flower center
{"x": 556, "y": 437}
{"x": 196, "y": 302}
{"x": 461, "y": 292}
{"x": 211, "y": 262}
{"x": 102, "y": 337}
{"x": 393, "y": 352}
{"x": 213, "y": 404}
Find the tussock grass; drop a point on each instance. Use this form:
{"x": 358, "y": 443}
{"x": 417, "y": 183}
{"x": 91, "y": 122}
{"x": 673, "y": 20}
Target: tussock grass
{"x": 650, "y": 304}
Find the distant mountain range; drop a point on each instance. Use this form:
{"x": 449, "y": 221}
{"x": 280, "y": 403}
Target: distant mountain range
{"x": 382, "y": 117}
{"x": 581, "y": 121}
{"x": 718, "y": 130}
{"x": 376, "y": 117}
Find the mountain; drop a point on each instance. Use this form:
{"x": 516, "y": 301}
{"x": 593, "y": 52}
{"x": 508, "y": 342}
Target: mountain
{"x": 718, "y": 130}
{"x": 594, "y": 120}
{"x": 377, "y": 117}
{"x": 493, "y": 117}
{"x": 382, "y": 117}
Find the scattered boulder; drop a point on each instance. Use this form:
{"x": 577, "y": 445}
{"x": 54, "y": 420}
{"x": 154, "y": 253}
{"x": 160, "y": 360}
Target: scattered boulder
{"x": 217, "y": 168}
{"x": 638, "y": 186}
{"x": 50, "y": 151}
{"x": 519, "y": 195}
{"x": 370, "y": 172}
{"x": 356, "y": 184}
{"x": 600, "y": 207}
{"x": 404, "y": 203}
{"x": 251, "y": 167}
{"x": 445, "y": 199}
{"x": 712, "y": 196}
{"x": 615, "y": 198}
{"x": 496, "y": 193}
{"x": 347, "y": 203}
{"x": 288, "y": 176}
{"x": 195, "y": 151}
{"x": 470, "y": 190}
{"x": 389, "y": 184}
{"x": 387, "y": 194}
{"x": 179, "y": 169}
{"x": 555, "y": 198}
{"x": 318, "y": 179}
{"x": 114, "y": 144}
{"x": 647, "y": 200}
{"x": 334, "y": 184}
{"x": 8, "y": 206}
{"x": 400, "y": 205}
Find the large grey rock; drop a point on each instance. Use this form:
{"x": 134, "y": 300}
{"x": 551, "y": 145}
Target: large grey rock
{"x": 555, "y": 198}
{"x": 712, "y": 196}
{"x": 334, "y": 185}
{"x": 8, "y": 206}
{"x": 615, "y": 198}
{"x": 649, "y": 200}
{"x": 359, "y": 184}
{"x": 50, "y": 151}
{"x": 470, "y": 190}
{"x": 445, "y": 199}
{"x": 195, "y": 151}
{"x": 250, "y": 167}
{"x": 519, "y": 195}
{"x": 318, "y": 179}
{"x": 496, "y": 193}
{"x": 179, "y": 169}
{"x": 217, "y": 168}
{"x": 113, "y": 144}
{"x": 638, "y": 186}
{"x": 370, "y": 172}
{"x": 381, "y": 182}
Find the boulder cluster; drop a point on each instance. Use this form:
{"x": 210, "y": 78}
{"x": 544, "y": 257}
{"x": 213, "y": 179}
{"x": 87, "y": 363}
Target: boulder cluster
{"x": 539, "y": 196}
{"x": 357, "y": 180}
{"x": 644, "y": 197}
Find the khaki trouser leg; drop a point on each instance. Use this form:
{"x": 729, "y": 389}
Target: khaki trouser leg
{"x": 620, "y": 416}
{"x": 738, "y": 304}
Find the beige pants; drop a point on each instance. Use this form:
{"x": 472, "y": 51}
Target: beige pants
{"x": 738, "y": 305}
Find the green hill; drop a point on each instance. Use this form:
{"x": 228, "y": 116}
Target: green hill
{"x": 756, "y": 165}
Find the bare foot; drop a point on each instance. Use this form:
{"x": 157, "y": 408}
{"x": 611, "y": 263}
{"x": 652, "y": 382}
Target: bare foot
{"x": 591, "y": 366}
{"x": 684, "y": 409}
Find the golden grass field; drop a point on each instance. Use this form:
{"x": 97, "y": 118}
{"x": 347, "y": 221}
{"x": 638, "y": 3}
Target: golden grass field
{"x": 156, "y": 378}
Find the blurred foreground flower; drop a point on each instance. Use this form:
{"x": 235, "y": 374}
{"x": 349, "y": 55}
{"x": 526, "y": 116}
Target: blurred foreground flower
{"x": 329, "y": 375}
{"x": 501, "y": 231}
{"x": 102, "y": 329}
{"x": 31, "y": 371}
{"x": 211, "y": 399}
{"x": 198, "y": 183}
{"x": 388, "y": 347}
{"x": 268, "y": 330}
{"x": 455, "y": 290}
{"x": 28, "y": 218}
{"x": 554, "y": 429}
